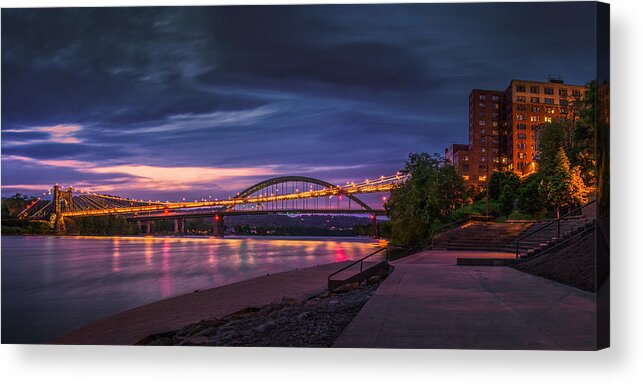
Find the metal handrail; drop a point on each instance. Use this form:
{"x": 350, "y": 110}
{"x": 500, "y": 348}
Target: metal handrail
{"x": 361, "y": 261}
{"x": 556, "y": 221}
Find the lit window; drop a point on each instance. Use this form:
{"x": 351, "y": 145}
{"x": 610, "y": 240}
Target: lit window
{"x": 465, "y": 177}
{"x": 535, "y": 99}
{"x": 482, "y": 178}
{"x": 547, "y": 119}
{"x": 482, "y": 122}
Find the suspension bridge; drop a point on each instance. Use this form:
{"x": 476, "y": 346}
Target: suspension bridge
{"x": 279, "y": 195}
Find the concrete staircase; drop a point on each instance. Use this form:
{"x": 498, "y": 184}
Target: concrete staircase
{"x": 544, "y": 235}
{"x": 535, "y": 237}
{"x": 481, "y": 236}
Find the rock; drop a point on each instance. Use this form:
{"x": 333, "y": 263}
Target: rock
{"x": 261, "y": 328}
{"x": 373, "y": 279}
{"x": 342, "y": 288}
{"x": 303, "y": 316}
{"x": 289, "y": 301}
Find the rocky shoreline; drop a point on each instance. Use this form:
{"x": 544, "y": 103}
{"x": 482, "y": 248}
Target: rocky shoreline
{"x": 314, "y": 322}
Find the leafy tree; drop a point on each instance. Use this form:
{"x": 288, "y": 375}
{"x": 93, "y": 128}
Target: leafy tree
{"x": 529, "y": 197}
{"x": 562, "y": 186}
{"x": 583, "y": 152}
{"x": 499, "y": 180}
{"x": 551, "y": 137}
{"x": 12, "y": 206}
{"x": 432, "y": 192}
{"x": 506, "y": 199}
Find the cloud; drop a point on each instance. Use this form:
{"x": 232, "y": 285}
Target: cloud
{"x": 331, "y": 91}
{"x": 64, "y": 134}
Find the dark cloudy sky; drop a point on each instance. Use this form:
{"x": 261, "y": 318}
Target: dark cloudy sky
{"x": 165, "y": 103}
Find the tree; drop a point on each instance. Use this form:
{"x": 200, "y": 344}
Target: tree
{"x": 562, "y": 186}
{"x": 432, "y": 192}
{"x": 529, "y": 197}
{"x": 551, "y": 137}
{"x": 583, "y": 152}
{"x": 499, "y": 180}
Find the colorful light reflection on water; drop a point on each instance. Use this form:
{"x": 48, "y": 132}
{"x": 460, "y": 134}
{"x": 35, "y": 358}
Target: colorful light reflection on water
{"x": 51, "y": 285}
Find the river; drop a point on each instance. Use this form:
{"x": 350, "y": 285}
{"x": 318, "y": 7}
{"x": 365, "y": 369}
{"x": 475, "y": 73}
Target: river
{"x": 51, "y": 285}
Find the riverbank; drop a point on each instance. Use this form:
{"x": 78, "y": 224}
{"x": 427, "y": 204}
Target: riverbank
{"x": 316, "y": 322}
{"x": 169, "y": 315}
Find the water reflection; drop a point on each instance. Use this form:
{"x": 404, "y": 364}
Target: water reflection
{"x": 51, "y": 285}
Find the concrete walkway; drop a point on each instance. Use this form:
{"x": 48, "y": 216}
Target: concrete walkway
{"x": 129, "y": 327}
{"x": 430, "y": 302}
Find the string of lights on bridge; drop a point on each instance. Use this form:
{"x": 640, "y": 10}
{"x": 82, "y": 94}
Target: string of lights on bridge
{"x": 381, "y": 184}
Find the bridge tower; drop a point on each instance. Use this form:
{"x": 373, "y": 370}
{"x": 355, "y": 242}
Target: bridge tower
{"x": 219, "y": 225}
{"x": 62, "y": 202}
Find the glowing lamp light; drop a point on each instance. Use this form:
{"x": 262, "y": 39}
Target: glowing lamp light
{"x": 217, "y": 218}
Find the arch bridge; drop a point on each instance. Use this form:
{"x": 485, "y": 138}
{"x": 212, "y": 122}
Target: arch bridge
{"x": 279, "y": 195}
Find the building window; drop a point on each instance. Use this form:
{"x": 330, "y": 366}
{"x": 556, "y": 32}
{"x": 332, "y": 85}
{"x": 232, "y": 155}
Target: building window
{"x": 483, "y": 149}
{"x": 521, "y": 117}
{"x": 563, "y": 110}
{"x": 482, "y": 105}
{"x": 535, "y": 100}
{"x": 496, "y": 106}
{"x": 521, "y": 136}
{"x": 494, "y": 123}
{"x": 465, "y": 177}
{"x": 482, "y": 96}
{"x": 481, "y": 115}
{"x": 521, "y": 99}
{"x": 550, "y": 110}
{"x": 521, "y": 107}
{"x": 562, "y": 92}
{"x": 576, "y": 93}
{"x": 548, "y": 91}
{"x": 534, "y": 118}
{"x": 535, "y": 109}
{"x": 534, "y": 89}
{"x": 520, "y": 88}
{"x": 465, "y": 158}
{"x": 495, "y": 97}
{"x": 496, "y": 159}
{"x": 483, "y": 159}
{"x": 521, "y": 126}
{"x": 563, "y": 102}
{"x": 549, "y": 100}
{"x": 547, "y": 119}
{"x": 494, "y": 132}
{"x": 482, "y": 178}
{"x": 482, "y": 123}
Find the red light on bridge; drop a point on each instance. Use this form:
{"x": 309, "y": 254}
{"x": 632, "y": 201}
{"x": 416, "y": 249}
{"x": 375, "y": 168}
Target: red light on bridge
{"x": 217, "y": 218}
{"x": 166, "y": 211}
